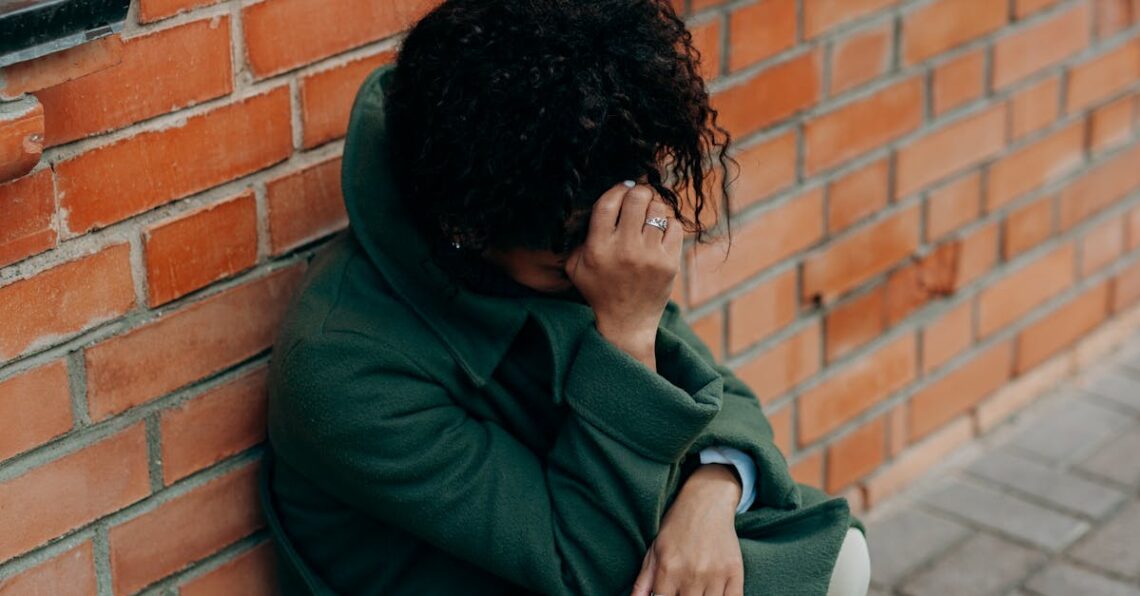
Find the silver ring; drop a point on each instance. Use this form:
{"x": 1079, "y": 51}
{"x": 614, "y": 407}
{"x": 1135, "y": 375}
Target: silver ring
{"x": 661, "y": 223}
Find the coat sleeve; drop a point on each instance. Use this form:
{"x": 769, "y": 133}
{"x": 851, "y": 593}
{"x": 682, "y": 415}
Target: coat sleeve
{"x": 382, "y": 435}
{"x": 740, "y": 424}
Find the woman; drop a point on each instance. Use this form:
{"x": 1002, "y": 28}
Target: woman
{"x": 482, "y": 387}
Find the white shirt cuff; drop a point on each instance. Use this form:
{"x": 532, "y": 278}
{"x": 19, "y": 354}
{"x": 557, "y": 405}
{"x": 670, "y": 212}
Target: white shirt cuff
{"x": 744, "y": 466}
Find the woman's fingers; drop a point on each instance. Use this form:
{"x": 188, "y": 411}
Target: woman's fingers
{"x": 657, "y": 208}
{"x": 604, "y": 217}
{"x": 633, "y": 210}
{"x": 644, "y": 584}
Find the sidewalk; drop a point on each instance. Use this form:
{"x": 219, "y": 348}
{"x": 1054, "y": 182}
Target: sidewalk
{"x": 1048, "y": 504}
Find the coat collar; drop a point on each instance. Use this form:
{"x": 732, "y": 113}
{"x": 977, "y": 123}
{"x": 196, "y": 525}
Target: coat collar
{"x": 477, "y": 329}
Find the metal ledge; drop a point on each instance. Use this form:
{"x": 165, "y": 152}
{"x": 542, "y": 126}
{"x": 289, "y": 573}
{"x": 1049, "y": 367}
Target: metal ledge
{"x": 32, "y": 28}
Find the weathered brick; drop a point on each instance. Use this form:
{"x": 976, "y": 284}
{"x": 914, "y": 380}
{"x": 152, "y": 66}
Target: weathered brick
{"x": 823, "y": 15}
{"x": 759, "y": 31}
{"x": 953, "y": 206}
{"x": 1100, "y": 77}
{"x": 1042, "y": 45}
{"x": 326, "y": 98}
{"x": 855, "y": 455}
{"x": 28, "y": 205}
{"x": 1035, "y": 107}
{"x": 861, "y": 57}
{"x": 1035, "y": 165}
{"x": 250, "y": 574}
{"x": 949, "y": 149}
{"x": 305, "y": 205}
{"x": 1100, "y": 186}
{"x": 1010, "y": 298}
{"x": 787, "y": 364}
{"x": 762, "y": 311}
{"x": 775, "y": 93}
{"x": 153, "y": 10}
{"x": 855, "y": 323}
{"x": 850, "y": 261}
{"x": 766, "y": 168}
{"x": 959, "y": 81}
{"x": 947, "y": 337}
{"x": 71, "y": 573}
{"x": 957, "y": 392}
{"x": 36, "y": 407}
{"x": 1102, "y": 245}
{"x": 858, "y": 195}
{"x": 944, "y": 24}
{"x": 860, "y": 126}
{"x": 1028, "y": 226}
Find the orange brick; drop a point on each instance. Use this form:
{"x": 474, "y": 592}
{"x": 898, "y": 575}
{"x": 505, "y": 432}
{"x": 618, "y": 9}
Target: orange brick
{"x": 1097, "y": 79}
{"x": 326, "y": 98}
{"x": 781, "y": 422}
{"x": 957, "y": 392}
{"x": 857, "y": 196}
{"x": 154, "y": 77}
{"x": 896, "y": 430}
{"x": 789, "y": 363}
{"x": 69, "y": 574}
{"x": 959, "y": 81}
{"x": 113, "y": 182}
{"x": 1024, "y": 8}
{"x": 251, "y": 573}
{"x": 270, "y": 29}
{"x": 762, "y": 311}
{"x": 953, "y": 206}
{"x": 72, "y": 491}
{"x": 204, "y": 338}
{"x": 944, "y": 24}
{"x": 809, "y": 469}
{"x": 856, "y": 388}
{"x": 184, "y": 529}
{"x": 197, "y": 249}
{"x": 1035, "y": 107}
{"x": 1021, "y": 291}
{"x": 855, "y": 258}
{"x": 1028, "y": 226}
{"x": 766, "y": 168}
{"x": 21, "y": 138}
{"x": 1102, "y": 245}
{"x": 1041, "y": 45}
{"x": 35, "y": 407}
{"x": 1126, "y": 288}
{"x": 861, "y": 57}
{"x": 861, "y": 126}
{"x": 914, "y": 286}
{"x": 856, "y": 455}
{"x": 759, "y": 31}
{"x": 153, "y": 10}
{"x": 977, "y": 255}
{"x": 823, "y": 15}
{"x": 1099, "y": 187}
{"x": 710, "y": 329}
{"x": 63, "y": 301}
{"x": 305, "y": 205}
{"x": 775, "y": 93}
{"x": 28, "y": 205}
{"x": 1061, "y": 328}
{"x": 757, "y": 244}
{"x": 706, "y": 40}
{"x": 855, "y": 323}
{"x": 1035, "y": 165}
{"x": 951, "y": 148}
{"x": 59, "y": 67}
{"x": 1111, "y": 126}
{"x": 213, "y": 426}
{"x": 947, "y": 337}
{"x": 1113, "y": 16}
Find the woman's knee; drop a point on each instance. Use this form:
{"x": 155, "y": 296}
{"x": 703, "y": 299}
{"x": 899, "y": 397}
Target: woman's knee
{"x": 852, "y": 573}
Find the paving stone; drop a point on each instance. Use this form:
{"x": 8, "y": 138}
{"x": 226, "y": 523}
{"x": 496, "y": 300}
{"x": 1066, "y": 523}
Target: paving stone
{"x": 906, "y": 540}
{"x": 1118, "y": 461}
{"x": 1047, "y": 484}
{"x": 980, "y": 566}
{"x": 1063, "y": 579}
{"x": 1115, "y": 546}
{"x": 1047, "y": 529}
{"x": 1120, "y": 388}
{"x": 1070, "y": 430}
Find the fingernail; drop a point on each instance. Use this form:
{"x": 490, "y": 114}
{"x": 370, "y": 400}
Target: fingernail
{"x": 630, "y": 183}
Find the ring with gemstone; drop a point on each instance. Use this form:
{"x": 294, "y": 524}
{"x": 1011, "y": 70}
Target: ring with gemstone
{"x": 661, "y": 223}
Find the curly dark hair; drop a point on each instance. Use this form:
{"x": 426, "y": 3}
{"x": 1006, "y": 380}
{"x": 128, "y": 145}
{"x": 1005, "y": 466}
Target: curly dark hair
{"x": 510, "y": 118}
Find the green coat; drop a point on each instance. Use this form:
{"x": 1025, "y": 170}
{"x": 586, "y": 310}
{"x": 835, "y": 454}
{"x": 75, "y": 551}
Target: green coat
{"x": 398, "y": 464}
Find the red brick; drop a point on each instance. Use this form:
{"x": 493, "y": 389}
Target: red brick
{"x": 250, "y": 574}
{"x": 1113, "y": 16}
{"x": 1021, "y": 291}
{"x": 857, "y": 196}
{"x": 809, "y": 469}
{"x": 914, "y": 286}
{"x": 856, "y": 455}
{"x": 699, "y": 5}
{"x": 35, "y": 407}
{"x": 959, "y": 81}
{"x": 861, "y": 126}
{"x": 1035, "y": 107}
{"x": 1042, "y": 45}
{"x": 1097, "y": 79}
{"x": 759, "y": 31}
{"x": 781, "y": 422}
{"x": 1126, "y": 288}
{"x": 184, "y": 529}
{"x": 957, "y": 392}
{"x": 789, "y": 363}
{"x": 1099, "y": 187}
{"x": 1102, "y": 245}
{"x": 21, "y": 138}
{"x": 59, "y": 67}
{"x": 1133, "y": 229}
{"x": 775, "y": 93}
{"x": 855, "y": 258}
{"x": 270, "y": 29}
{"x": 1061, "y": 328}
{"x": 1028, "y": 226}
{"x": 63, "y": 301}
{"x": 856, "y": 388}
{"x": 823, "y": 15}
{"x": 706, "y": 40}
{"x": 28, "y": 205}
{"x": 762, "y": 311}
{"x": 861, "y": 57}
{"x": 72, "y": 491}
{"x": 153, "y": 10}
{"x": 305, "y": 205}
{"x": 944, "y": 24}
{"x": 116, "y": 181}
{"x": 326, "y": 98}
{"x": 1035, "y": 165}
{"x": 955, "y": 147}
{"x": 978, "y": 254}
{"x": 197, "y": 249}
{"x": 204, "y": 338}
{"x": 710, "y": 329}
{"x": 855, "y": 323}
{"x": 213, "y": 426}
{"x": 757, "y": 244}
{"x": 953, "y": 206}
{"x": 1024, "y": 8}
{"x": 71, "y": 573}
{"x": 1111, "y": 126}
{"x": 766, "y": 168}
{"x": 154, "y": 77}
{"x": 947, "y": 337}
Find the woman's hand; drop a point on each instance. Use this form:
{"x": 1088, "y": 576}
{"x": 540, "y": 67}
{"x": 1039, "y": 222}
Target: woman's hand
{"x": 697, "y": 552}
{"x": 625, "y": 269}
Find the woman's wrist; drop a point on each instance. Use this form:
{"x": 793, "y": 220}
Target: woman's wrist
{"x": 714, "y": 484}
{"x": 640, "y": 344}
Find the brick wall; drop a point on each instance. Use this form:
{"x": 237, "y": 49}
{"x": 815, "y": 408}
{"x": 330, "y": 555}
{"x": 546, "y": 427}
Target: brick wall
{"x": 939, "y": 200}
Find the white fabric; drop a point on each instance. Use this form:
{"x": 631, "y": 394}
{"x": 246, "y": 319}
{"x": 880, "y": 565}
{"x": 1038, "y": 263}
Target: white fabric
{"x": 744, "y": 465}
{"x": 852, "y": 573}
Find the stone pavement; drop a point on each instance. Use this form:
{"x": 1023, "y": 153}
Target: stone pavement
{"x": 1048, "y": 504}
